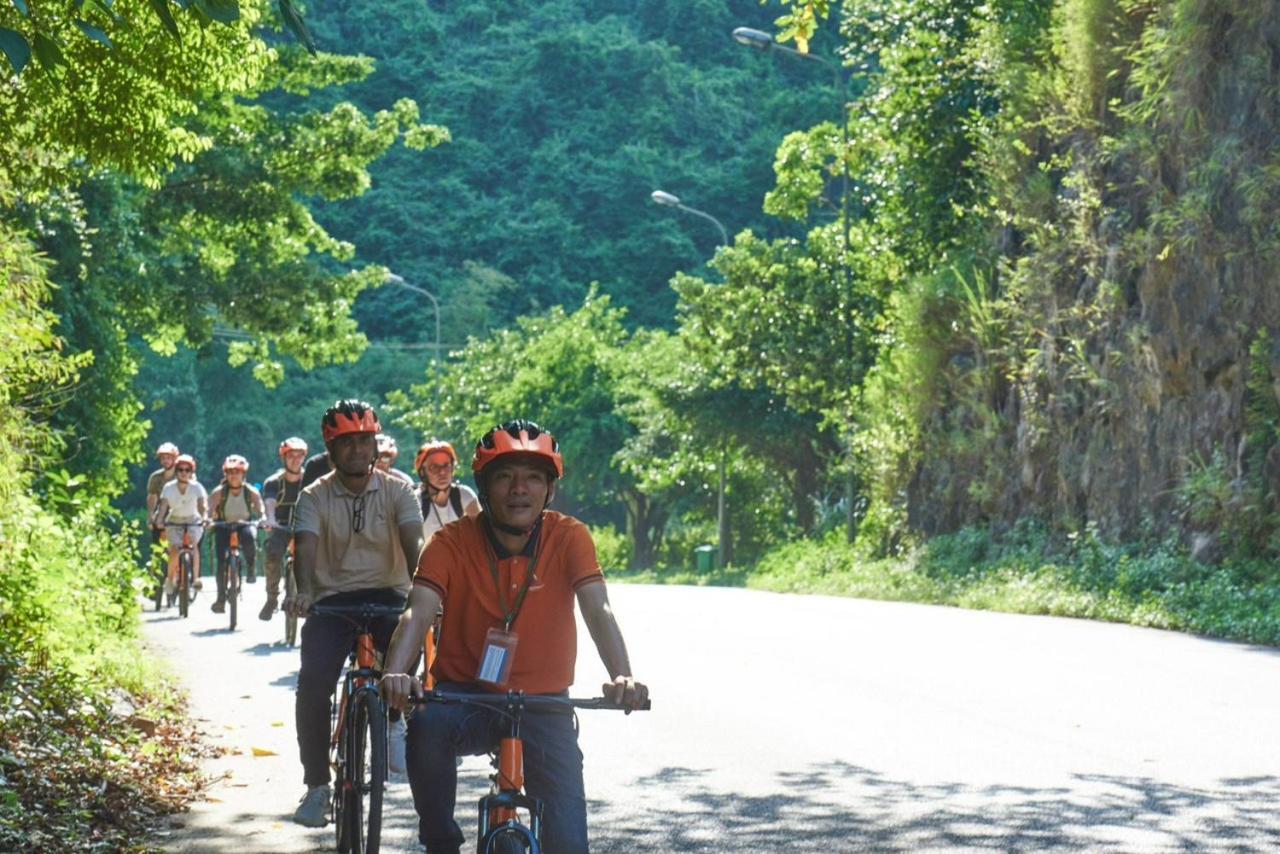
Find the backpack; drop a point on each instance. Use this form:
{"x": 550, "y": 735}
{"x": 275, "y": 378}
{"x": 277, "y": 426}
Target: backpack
{"x": 455, "y": 499}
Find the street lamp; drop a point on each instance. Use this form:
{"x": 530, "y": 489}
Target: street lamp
{"x": 669, "y": 201}
{"x": 666, "y": 199}
{"x": 761, "y": 41}
{"x": 435, "y": 361}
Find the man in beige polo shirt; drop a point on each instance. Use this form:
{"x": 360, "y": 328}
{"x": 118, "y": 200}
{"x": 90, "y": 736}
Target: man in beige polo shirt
{"x": 357, "y": 532}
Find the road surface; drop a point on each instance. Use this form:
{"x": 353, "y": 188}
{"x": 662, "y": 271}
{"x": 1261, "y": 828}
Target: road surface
{"x": 804, "y": 723}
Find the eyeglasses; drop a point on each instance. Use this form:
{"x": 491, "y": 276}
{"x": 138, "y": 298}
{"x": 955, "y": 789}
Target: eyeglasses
{"x": 184, "y": 470}
{"x": 357, "y": 512}
{"x": 443, "y": 468}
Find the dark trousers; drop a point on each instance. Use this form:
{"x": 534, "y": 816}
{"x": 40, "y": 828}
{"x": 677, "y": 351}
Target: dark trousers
{"x": 552, "y": 763}
{"x": 248, "y": 551}
{"x": 326, "y": 643}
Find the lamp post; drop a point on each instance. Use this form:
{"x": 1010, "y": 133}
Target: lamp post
{"x": 435, "y": 360}
{"x": 667, "y": 200}
{"x": 762, "y": 41}
{"x": 723, "y": 537}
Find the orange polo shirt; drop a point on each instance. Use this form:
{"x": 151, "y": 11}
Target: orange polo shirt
{"x": 456, "y": 565}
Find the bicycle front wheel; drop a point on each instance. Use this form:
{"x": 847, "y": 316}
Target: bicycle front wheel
{"x": 364, "y": 774}
{"x": 184, "y": 583}
{"x": 233, "y": 588}
{"x": 509, "y": 840}
{"x": 290, "y": 590}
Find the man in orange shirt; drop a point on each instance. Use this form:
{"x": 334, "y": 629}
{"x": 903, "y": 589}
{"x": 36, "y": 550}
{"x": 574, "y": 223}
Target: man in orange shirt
{"x": 508, "y": 576}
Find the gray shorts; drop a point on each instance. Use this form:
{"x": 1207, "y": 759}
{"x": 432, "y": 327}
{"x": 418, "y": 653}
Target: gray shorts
{"x": 173, "y": 533}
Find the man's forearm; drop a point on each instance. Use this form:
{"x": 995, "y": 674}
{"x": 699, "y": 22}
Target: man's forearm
{"x": 304, "y": 566}
{"x": 609, "y": 643}
{"x": 403, "y": 648}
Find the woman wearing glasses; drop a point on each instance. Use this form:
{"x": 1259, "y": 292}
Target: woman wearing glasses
{"x": 444, "y": 499}
{"x": 183, "y": 504}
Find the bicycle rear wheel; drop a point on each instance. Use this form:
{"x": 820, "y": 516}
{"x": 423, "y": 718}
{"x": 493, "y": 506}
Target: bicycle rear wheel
{"x": 184, "y": 583}
{"x": 233, "y": 588}
{"x": 363, "y": 775}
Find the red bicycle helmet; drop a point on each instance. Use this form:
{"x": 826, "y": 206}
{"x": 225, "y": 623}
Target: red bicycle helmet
{"x": 293, "y": 443}
{"x": 435, "y": 446}
{"x": 186, "y": 458}
{"x": 167, "y": 448}
{"x": 234, "y": 462}
{"x": 517, "y": 438}
{"x": 347, "y": 417}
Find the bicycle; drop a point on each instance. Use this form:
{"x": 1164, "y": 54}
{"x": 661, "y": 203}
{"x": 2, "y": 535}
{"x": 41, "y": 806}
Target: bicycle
{"x": 290, "y": 592}
{"x": 186, "y": 590}
{"x": 159, "y": 572}
{"x": 500, "y": 829}
{"x": 358, "y": 744}
{"x": 234, "y": 567}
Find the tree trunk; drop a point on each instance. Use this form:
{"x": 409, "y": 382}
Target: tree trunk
{"x": 644, "y": 527}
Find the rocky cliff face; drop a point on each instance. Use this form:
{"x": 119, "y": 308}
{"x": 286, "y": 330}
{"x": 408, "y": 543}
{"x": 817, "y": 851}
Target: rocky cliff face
{"x": 1125, "y": 368}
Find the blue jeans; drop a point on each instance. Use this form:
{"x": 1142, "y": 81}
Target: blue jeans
{"x": 552, "y": 763}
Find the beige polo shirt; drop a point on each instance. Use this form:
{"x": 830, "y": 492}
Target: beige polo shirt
{"x": 350, "y": 560}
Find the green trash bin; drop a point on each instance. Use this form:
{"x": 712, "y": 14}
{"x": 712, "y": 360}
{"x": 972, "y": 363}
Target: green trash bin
{"x": 704, "y": 558}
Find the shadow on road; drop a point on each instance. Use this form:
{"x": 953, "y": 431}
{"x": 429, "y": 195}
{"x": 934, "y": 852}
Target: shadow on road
{"x": 289, "y": 680}
{"x": 841, "y": 807}
{"x": 270, "y": 648}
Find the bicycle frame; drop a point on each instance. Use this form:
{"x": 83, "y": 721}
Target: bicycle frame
{"x": 363, "y": 674}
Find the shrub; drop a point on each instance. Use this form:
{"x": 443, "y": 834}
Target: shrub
{"x": 613, "y": 549}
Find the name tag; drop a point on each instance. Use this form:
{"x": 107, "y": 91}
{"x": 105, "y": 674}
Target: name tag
{"x": 499, "y": 653}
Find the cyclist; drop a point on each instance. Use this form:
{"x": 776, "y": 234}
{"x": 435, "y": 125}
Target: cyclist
{"x": 167, "y": 455}
{"x": 517, "y": 567}
{"x": 443, "y": 498}
{"x": 316, "y": 467}
{"x": 235, "y": 501}
{"x": 357, "y": 531}
{"x": 280, "y": 493}
{"x": 387, "y": 454}
{"x": 183, "y": 501}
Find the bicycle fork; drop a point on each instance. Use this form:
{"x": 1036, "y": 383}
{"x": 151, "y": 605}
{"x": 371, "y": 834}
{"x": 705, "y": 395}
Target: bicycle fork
{"x": 506, "y": 795}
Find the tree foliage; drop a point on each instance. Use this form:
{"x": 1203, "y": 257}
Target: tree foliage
{"x": 565, "y": 116}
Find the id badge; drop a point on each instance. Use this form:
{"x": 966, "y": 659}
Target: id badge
{"x": 499, "y": 652}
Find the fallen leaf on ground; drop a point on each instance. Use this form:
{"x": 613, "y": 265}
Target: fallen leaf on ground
{"x": 262, "y": 751}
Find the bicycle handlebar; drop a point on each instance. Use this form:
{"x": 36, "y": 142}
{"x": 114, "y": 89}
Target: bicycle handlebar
{"x": 521, "y": 699}
{"x": 366, "y": 611}
{"x": 223, "y": 523}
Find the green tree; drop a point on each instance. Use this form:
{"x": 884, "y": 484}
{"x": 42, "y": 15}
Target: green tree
{"x": 228, "y": 240}
{"x": 563, "y": 370}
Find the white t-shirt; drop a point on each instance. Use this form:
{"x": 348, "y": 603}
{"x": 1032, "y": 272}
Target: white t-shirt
{"x": 437, "y": 516}
{"x": 183, "y": 507}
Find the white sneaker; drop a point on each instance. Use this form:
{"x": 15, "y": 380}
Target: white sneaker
{"x": 396, "y": 731}
{"x": 314, "y": 809}
{"x": 169, "y": 587}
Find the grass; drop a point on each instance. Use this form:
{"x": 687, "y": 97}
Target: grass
{"x": 1155, "y": 586}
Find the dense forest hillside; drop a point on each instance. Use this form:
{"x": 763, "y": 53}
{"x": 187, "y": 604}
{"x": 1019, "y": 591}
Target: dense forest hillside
{"x": 564, "y": 116}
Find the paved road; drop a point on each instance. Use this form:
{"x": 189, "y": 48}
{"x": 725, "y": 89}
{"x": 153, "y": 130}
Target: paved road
{"x": 794, "y": 723}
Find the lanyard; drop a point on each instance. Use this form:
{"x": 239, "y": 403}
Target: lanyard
{"x": 514, "y": 611}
